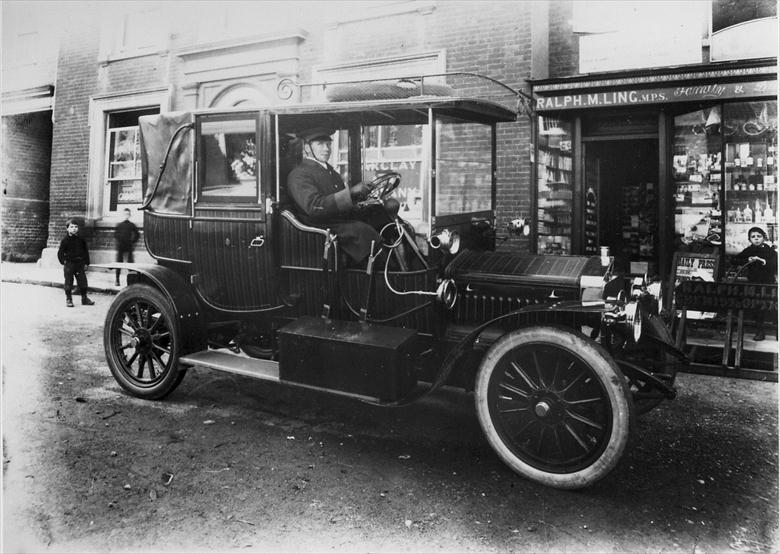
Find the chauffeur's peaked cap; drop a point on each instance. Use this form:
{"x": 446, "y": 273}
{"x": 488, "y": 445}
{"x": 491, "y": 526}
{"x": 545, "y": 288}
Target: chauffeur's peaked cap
{"x": 315, "y": 133}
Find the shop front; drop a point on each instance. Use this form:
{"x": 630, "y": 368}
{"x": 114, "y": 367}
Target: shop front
{"x": 654, "y": 165}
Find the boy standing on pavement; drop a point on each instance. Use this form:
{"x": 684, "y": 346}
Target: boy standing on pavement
{"x": 74, "y": 257}
{"x": 126, "y": 235}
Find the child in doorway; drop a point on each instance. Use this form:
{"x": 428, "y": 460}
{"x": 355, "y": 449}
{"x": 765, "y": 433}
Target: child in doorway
{"x": 74, "y": 257}
{"x": 762, "y": 269}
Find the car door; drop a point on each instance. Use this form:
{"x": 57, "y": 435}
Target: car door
{"x": 232, "y": 261}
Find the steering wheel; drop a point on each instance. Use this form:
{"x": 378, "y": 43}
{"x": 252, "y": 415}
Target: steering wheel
{"x": 381, "y": 187}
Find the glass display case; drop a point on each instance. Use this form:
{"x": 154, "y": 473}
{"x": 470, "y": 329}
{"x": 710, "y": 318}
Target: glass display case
{"x": 555, "y": 206}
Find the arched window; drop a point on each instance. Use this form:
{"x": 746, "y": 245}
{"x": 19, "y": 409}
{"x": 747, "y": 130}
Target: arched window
{"x": 243, "y": 95}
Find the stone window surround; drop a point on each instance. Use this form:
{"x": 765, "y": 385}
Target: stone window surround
{"x": 213, "y": 72}
{"x": 99, "y": 108}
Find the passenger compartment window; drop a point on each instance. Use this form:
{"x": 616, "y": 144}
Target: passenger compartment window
{"x": 229, "y": 170}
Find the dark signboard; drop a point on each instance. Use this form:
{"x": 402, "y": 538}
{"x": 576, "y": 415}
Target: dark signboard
{"x": 703, "y": 295}
{"x": 658, "y": 95}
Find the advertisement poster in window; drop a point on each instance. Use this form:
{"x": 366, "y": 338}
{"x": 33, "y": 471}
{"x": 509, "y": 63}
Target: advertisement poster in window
{"x": 129, "y": 192}
{"x": 690, "y": 266}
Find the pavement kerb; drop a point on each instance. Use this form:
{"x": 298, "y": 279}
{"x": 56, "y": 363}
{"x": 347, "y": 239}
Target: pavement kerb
{"x": 100, "y": 281}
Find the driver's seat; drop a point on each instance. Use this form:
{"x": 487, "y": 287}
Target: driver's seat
{"x": 303, "y": 246}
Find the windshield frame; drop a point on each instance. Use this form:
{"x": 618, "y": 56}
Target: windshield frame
{"x": 439, "y": 220}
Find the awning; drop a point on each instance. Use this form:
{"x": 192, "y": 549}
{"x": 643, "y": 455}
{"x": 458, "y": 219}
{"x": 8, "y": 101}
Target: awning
{"x": 37, "y": 99}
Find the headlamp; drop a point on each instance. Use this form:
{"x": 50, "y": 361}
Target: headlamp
{"x": 446, "y": 241}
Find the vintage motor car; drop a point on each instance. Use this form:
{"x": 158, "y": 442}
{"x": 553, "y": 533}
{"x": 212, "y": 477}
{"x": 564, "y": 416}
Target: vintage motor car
{"x": 558, "y": 352}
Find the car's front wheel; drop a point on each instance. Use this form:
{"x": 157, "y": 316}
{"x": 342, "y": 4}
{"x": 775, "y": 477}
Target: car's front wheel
{"x": 142, "y": 342}
{"x": 554, "y": 406}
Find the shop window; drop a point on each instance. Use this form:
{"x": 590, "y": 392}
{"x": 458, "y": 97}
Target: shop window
{"x": 123, "y": 161}
{"x": 725, "y": 176}
{"x": 229, "y": 172}
{"x": 555, "y": 192}
{"x": 750, "y": 144}
{"x": 697, "y": 164}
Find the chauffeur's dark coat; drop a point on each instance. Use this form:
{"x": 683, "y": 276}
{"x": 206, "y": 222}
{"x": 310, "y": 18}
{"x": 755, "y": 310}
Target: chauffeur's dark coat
{"x": 324, "y": 201}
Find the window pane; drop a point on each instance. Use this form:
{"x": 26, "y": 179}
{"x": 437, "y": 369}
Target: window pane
{"x": 697, "y": 167}
{"x": 750, "y": 136}
{"x": 555, "y": 187}
{"x": 124, "y": 168}
{"x": 142, "y": 30}
{"x": 463, "y": 168}
{"x": 229, "y": 156}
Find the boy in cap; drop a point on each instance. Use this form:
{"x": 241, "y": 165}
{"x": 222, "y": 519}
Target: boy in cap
{"x": 319, "y": 191}
{"x": 762, "y": 269}
{"x": 74, "y": 256}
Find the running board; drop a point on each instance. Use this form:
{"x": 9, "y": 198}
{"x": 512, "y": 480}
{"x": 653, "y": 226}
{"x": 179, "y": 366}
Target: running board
{"x": 240, "y": 364}
{"x": 265, "y": 370}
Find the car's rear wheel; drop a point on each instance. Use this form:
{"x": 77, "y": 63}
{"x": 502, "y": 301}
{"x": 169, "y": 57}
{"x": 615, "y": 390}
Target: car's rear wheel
{"x": 554, "y": 406}
{"x": 142, "y": 342}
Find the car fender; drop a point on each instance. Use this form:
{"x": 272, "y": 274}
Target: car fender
{"x": 179, "y": 293}
{"x": 655, "y": 329}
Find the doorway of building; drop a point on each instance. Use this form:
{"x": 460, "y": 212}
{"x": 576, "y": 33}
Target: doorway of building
{"x": 622, "y": 175}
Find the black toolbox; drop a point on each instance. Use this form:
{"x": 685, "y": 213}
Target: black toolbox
{"x": 350, "y": 356}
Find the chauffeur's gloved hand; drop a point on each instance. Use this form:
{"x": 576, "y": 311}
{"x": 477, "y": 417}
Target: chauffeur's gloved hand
{"x": 359, "y": 191}
{"x": 392, "y": 206}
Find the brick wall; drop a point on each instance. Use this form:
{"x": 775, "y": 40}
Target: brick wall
{"x": 77, "y": 80}
{"x": 25, "y": 204}
{"x": 81, "y": 76}
{"x": 490, "y": 38}
{"x": 564, "y": 47}
{"x": 495, "y": 39}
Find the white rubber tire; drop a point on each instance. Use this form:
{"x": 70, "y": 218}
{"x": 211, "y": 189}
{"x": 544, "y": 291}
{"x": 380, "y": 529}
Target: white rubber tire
{"x": 595, "y": 360}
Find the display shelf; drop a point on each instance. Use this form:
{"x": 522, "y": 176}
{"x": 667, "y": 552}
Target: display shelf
{"x": 750, "y": 189}
{"x": 555, "y": 196}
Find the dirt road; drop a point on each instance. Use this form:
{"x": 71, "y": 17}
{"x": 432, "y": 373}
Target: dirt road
{"x": 227, "y": 463}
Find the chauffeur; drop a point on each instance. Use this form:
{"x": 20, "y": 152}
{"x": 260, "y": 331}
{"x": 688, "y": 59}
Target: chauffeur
{"x": 326, "y": 201}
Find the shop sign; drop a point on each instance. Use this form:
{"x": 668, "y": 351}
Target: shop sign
{"x": 660, "y": 95}
{"x": 689, "y": 265}
{"x": 701, "y": 295}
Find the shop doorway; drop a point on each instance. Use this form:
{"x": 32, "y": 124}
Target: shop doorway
{"x": 621, "y": 191}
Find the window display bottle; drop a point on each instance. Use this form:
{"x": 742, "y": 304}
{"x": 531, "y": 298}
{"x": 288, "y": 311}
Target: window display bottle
{"x": 747, "y": 214}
